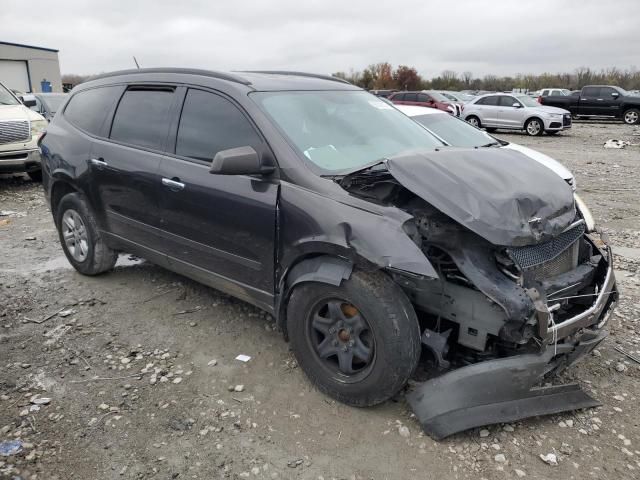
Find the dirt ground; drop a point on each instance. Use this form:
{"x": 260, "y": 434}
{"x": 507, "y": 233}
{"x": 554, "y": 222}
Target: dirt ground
{"x": 128, "y": 375}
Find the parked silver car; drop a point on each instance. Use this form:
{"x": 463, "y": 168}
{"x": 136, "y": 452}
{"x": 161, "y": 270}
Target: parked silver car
{"x": 517, "y": 112}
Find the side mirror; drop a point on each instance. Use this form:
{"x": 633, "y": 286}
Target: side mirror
{"x": 28, "y": 100}
{"x": 516, "y": 105}
{"x": 615, "y": 94}
{"x": 239, "y": 161}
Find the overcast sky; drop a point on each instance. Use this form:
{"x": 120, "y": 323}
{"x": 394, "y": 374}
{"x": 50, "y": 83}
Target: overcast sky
{"x": 499, "y": 36}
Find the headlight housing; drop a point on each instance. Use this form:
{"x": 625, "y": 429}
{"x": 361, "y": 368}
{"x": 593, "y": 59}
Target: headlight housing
{"x": 38, "y": 127}
{"x": 586, "y": 213}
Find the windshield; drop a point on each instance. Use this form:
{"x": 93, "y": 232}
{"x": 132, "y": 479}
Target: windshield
{"x": 53, "y": 102}
{"x": 450, "y": 96}
{"x": 6, "y": 98}
{"x": 454, "y": 131}
{"x": 339, "y": 131}
{"x": 527, "y": 101}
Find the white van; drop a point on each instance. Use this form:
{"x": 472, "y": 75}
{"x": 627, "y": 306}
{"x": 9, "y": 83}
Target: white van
{"x": 20, "y": 129}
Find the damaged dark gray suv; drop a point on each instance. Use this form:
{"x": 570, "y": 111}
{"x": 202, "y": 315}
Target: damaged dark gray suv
{"x": 372, "y": 243}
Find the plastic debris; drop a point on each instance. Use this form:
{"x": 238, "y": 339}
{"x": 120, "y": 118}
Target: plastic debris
{"x": 613, "y": 143}
{"x": 10, "y": 447}
{"x": 243, "y": 358}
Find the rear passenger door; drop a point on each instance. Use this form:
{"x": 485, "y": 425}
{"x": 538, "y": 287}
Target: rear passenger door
{"x": 125, "y": 167}
{"x": 219, "y": 228}
{"x": 488, "y": 111}
{"x": 589, "y": 101}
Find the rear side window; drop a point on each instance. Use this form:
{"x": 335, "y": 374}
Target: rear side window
{"x": 591, "y": 92}
{"x": 142, "y": 117}
{"x": 423, "y": 97}
{"x": 410, "y": 97}
{"x": 88, "y": 109}
{"x": 489, "y": 101}
{"x": 210, "y": 123}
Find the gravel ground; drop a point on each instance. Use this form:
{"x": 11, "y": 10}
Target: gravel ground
{"x": 132, "y": 375}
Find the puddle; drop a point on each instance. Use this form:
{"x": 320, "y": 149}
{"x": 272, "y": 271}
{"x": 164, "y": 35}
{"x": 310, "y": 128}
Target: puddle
{"x": 61, "y": 263}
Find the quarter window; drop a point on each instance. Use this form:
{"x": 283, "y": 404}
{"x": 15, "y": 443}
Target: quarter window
{"x": 142, "y": 117}
{"x": 210, "y": 123}
{"x": 88, "y": 109}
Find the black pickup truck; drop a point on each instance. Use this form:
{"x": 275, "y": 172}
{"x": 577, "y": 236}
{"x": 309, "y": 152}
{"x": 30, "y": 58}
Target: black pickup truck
{"x": 599, "y": 101}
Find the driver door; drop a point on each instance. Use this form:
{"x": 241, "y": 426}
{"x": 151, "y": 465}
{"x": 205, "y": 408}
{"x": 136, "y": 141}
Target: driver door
{"x": 221, "y": 228}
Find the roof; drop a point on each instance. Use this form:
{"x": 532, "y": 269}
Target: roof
{"x": 29, "y": 46}
{"x": 257, "y": 80}
{"x": 415, "y": 110}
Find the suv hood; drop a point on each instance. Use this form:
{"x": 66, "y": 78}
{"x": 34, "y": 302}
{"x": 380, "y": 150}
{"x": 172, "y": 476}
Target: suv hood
{"x": 18, "y": 112}
{"x": 548, "y": 109}
{"x": 505, "y": 197}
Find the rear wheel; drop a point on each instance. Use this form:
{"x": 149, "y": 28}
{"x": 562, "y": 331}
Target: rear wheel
{"x": 475, "y": 121}
{"x": 358, "y": 342}
{"x": 632, "y": 116}
{"x": 80, "y": 238}
{"x": 534, "y": 127}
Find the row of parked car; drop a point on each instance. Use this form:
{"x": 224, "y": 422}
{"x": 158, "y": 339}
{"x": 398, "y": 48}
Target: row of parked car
{"x": 368, "y": 230}
{"x": 548, "y": 111}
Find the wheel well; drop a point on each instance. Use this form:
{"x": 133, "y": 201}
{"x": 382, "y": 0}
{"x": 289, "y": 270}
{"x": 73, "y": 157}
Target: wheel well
{"x": 321, "y": 268}
{"x": 59, "y": 190}
{"x": 534, "y": 118}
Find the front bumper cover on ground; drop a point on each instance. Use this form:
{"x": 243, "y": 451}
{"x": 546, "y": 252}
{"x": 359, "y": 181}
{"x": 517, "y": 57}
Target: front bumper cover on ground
{"x": 501, "y": 390}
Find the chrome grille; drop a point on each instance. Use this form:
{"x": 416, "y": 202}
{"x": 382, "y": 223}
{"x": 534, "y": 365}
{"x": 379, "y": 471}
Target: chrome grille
{"x": 14, "y": 131}
{"x": 549, "y": 259}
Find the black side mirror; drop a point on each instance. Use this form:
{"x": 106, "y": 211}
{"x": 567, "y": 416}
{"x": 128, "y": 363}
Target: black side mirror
{"x": 28, "y": 100}
{"x": 239, "y": 161}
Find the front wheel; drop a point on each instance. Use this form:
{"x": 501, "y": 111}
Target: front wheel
{"x": 81, "y": 240}
{"x": 632, "y": 116}
{"x": 534, "y": 127}
{"x": 359, "y": 342}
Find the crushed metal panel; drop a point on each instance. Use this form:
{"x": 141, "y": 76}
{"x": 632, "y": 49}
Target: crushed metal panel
{"x": 484, "y": 191}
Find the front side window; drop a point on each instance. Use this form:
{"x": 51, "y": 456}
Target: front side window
{"x": 605, "y": 92}
{"x": 526, "y": 100}
{"x": 142, "y": 117}
{"x": 423, "y": 97}
{"x": 337, "y": 131}
{"x": 507, "y": 101}
{"x": 88, "y": 109}
{"x": 210, "y": 123}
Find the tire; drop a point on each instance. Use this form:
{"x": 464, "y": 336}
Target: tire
{"x": 35, "y": 175}
{"x": 631, "y": 116}
{"x": 531, "y": 129}
{"x": 80, "y": 238}
{"x": 490, "y": 129}
{"x": 381, "y": 345}
{"x": 473, "y": 120}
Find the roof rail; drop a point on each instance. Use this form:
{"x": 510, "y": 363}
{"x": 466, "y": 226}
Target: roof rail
{"x": 193, "y": 71}
{"x": 297, "y": 74}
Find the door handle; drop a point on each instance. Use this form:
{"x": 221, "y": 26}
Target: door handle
{"x": 174, "y": 185}
{"x": 99, "y": 162}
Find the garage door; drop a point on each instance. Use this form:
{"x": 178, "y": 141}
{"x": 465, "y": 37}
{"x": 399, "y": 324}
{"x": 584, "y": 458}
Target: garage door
{"x": 13, "y": 74}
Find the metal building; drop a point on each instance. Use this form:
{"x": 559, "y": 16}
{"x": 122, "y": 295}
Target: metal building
{"x": 29, "y": 69}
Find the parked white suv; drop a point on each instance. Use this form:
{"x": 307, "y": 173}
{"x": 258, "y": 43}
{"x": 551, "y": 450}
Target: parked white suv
{"x": 517, "y": 112}
{"x": 20, "y": 129}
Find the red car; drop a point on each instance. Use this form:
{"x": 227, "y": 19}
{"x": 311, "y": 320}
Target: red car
{"x": 427, "y": 98}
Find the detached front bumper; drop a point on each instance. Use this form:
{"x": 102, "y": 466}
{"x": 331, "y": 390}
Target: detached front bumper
{"x": 502, "y": 390}
{"x": 27, "y": 160}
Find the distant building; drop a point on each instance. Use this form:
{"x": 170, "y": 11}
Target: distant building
{"x": 29, "y": 69}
